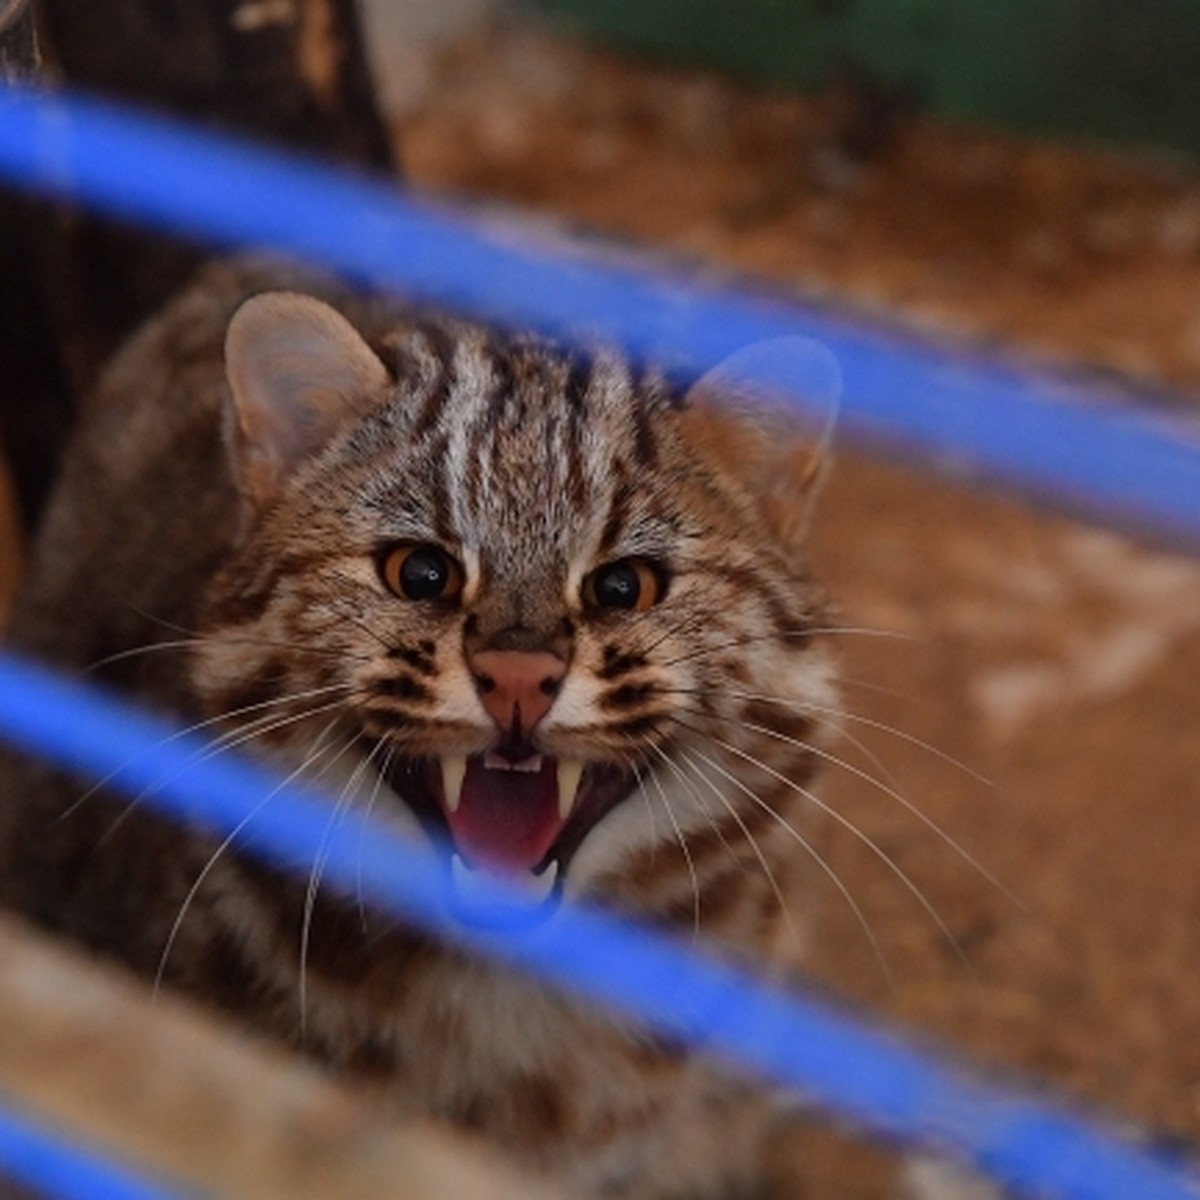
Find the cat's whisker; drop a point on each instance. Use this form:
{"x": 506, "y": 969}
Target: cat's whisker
{"x": 364, "y": 825}
{"x": 889, "y": 788}
{"x": 687, "y": 855}
{"x": 804, "y": 707}
{"x": 751, "y": 841}
{"x": 804, "y": 632}
{"x": 865, "y": 839}
{"x": 347, "y": 614}
{"x": 149, "y": 648}
{"x": 344, "y": 801}
{"x": 199, "y": 640}
{"x": 639, "y": 774}
{"x": 686, "y": 624}
{"x": 812, "y": 852}
{"x": 701, "y": 805}
{"x": 315, "y": 749}
{"x": 196, "y": 727}
{"x": 202, "y": 638}
{"x": 892, "y": 794}
{"x": 844, "y": 714}
{"x": 879, "y": 689}
{"x": 220, "y": 745}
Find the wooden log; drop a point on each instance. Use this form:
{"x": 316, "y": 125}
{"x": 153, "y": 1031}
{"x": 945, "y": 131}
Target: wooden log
{"x": 170, "y": 1089}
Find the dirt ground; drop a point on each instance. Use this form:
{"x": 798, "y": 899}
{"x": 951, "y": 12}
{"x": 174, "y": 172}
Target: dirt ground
{"x": 1027, "y": 702}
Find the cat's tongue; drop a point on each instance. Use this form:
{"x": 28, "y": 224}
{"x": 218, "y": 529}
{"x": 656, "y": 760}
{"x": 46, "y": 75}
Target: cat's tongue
{"x": 506, "y": 820}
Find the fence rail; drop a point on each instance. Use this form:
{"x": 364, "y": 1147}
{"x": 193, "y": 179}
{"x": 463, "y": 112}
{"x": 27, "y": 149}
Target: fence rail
{"x": 961, "y": 416}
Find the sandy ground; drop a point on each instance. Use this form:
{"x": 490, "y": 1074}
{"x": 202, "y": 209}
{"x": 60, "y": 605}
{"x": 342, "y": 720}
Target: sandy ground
{"x": 1026, "y": 856}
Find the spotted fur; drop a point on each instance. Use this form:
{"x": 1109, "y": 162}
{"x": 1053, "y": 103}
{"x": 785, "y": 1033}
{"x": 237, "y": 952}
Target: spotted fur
{"x": 246, "y": 593}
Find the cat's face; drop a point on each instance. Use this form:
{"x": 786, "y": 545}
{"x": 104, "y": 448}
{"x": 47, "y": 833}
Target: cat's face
{"x": 529, "y": 602}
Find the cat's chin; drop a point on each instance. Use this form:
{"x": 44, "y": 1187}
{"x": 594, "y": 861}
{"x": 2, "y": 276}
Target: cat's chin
{"x": 520, "y": 823}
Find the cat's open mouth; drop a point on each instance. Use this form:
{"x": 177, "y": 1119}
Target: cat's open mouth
{"x": 522, "y": 821}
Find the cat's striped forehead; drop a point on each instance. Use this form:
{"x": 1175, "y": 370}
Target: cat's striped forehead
{"x": 526, "y": 437}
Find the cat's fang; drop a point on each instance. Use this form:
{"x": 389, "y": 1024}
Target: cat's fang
{"x": 454, "y": 769}
{"x": 570, "y": 770}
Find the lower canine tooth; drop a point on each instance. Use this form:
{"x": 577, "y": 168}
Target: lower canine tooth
{"x": 454, "y": 767}
{"x": 472, "y": 885}
{"x": 538, "y": 887}
{"x": 569, "y": 772}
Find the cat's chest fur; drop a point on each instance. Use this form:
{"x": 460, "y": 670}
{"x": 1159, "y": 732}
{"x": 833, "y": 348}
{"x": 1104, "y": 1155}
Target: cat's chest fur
{"x": 534, "y": 604}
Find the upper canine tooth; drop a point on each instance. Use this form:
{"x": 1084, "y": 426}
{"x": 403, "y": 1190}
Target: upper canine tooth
{"x": 454, "y": 767}
{"x": 569, "y": 772}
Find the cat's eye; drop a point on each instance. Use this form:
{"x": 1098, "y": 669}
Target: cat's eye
{"x": 421, "y": 572}
{"x": 630, "y": 583}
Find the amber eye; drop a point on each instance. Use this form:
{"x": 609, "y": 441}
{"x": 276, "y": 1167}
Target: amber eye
{"x": 421, "y": 572}
{"x": 631, "y": 583}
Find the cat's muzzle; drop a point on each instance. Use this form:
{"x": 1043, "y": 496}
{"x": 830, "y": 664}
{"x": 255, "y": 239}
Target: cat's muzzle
{"x": 519, "y": 821}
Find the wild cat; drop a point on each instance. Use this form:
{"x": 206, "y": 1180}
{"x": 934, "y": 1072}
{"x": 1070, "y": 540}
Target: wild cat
{"x": 542, "y": 605}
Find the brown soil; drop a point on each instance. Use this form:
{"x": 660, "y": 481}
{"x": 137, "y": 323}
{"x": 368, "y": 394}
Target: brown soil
{"x": 1056, "y": 660}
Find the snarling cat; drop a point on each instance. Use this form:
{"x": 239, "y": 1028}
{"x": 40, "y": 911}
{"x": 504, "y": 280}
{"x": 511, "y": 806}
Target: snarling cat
{"x": 541, "y": 606}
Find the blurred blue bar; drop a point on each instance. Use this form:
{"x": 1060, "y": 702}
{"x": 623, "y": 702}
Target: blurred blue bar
{"x": 53, "y": 1166}
{"x": 959, "y": 415}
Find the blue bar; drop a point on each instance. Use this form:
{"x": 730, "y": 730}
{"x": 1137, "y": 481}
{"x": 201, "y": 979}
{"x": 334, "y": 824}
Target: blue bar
{"x": 960, "y": 416}
{"x": 54, "y": 1166}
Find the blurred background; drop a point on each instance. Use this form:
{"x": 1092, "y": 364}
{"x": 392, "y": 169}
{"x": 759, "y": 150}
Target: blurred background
{"x": 1017, "y": 179}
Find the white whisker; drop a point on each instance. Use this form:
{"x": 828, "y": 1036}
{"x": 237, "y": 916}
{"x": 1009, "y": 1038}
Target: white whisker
{"x": 811, "y": 851}
{"x": 687, "y": 855}
{"x": 892, "y": 794}
{"x": 344, "y": 800}
{"x": 751, "y": 840}
{"x": 863, "y": 838}
{"x": 314, "y": 750}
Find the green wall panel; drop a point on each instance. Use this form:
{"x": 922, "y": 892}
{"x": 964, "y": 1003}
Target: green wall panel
{"x": 1111, "y": 69}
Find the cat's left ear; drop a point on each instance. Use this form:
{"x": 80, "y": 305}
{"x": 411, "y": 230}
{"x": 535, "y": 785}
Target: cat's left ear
{"x": 296, "y": 368}
{"x": 767, "y": 414}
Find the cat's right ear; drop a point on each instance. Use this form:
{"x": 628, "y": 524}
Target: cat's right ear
{"x": 767, "y": 414}
{"x": 297, "y": 369}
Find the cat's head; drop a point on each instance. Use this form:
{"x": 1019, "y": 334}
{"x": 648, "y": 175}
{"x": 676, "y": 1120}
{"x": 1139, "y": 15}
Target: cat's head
{"x": 537, "y": 601}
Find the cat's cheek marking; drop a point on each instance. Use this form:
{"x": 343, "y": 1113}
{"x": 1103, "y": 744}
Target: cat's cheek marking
{"x": 401, "y": 687}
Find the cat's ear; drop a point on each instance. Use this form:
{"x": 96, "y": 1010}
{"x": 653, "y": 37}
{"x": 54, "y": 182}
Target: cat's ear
{"x": 296, "y": 369}
{"x": 767, "y": 415}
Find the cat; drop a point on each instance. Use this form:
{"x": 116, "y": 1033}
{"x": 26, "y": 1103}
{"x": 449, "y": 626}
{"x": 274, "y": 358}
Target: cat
{"x": 545, "y": 604}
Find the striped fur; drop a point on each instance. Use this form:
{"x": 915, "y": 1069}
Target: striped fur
{"x": 531, "y": 466}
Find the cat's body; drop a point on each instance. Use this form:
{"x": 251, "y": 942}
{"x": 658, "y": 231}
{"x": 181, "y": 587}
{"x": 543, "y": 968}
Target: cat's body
{"x": 487, "y": 554}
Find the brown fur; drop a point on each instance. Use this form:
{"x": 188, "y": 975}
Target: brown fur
{"x": 164, "y": 576}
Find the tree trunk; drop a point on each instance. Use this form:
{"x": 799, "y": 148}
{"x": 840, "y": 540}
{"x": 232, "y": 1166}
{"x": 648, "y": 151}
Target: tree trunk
{"x": 288, "y": 71}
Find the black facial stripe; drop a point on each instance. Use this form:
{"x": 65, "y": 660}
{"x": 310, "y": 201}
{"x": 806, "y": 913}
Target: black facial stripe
{"x": 628, "y": 695}
{"x": 617, "y": 662}
{"x": 400, "y": 687}
{"x": 420, "y": 659}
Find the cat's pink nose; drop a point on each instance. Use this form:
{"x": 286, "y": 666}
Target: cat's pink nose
{"x": 517, "y": 687}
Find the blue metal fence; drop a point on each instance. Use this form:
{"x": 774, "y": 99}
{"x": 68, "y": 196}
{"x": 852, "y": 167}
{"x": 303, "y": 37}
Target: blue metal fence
{"x": 965, "y": 417}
